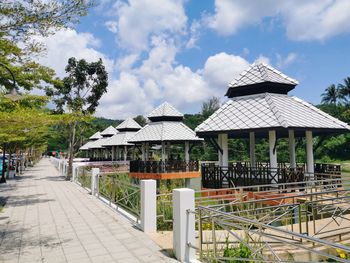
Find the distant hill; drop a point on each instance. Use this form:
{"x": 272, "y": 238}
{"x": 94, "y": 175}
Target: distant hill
{"x": 102, "y": 123}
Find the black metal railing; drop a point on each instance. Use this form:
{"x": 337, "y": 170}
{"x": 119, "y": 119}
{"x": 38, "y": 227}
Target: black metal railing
{"x": 163, "y": 167}
{"x": 215, "y": 176}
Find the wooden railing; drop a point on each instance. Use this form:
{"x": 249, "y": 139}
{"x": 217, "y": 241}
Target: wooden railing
{"x": 163, "y": 167}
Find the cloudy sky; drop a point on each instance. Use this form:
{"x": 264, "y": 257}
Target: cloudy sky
{"x": 185, "y": 52}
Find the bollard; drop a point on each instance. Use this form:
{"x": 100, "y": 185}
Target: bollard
{"x": 94, "y": 181}
{"x": 149, "y": 206}
{"x": 184, "y": 225}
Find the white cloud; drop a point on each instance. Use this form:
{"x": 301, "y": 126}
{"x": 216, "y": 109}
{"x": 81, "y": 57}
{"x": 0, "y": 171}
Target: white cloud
{"x": 139, "y": 20}
{"x": 304, "y": 20}
{"x": 222, "y": 68}
{"x": 68, "y": 43}
{"x": 286, "y": 61}
{"x": 112, "y": 26}
{"x": 263, "y": 59}
{"x": 124, "y": 98}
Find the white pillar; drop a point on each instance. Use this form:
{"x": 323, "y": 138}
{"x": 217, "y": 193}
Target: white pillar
{"x": 94, "y": 181}
{"x": 147, "y": 150}
{"x": 125, "y": 152}
{"x": 292, "y": 160}
{"x": 113, "y": 153}
{"x": 183, "y": 224}
{"x": 309, "y": 153}
{"x": 143, "y": 151}
{"x": 224, "y": 146}
{"x": 74, "y": 172}
{"x": 163, "y": 152}
{"x": 273, "y": 154}
{"x": 219, "y": 153}
{"x": 252, "y": 149}
{"x": 149, "y": 206}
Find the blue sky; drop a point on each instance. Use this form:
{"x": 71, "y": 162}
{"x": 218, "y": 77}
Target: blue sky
{"x": 185, "y": 52}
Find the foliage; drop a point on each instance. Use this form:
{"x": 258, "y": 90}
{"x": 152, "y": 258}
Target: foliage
{"x": 25, "y": 18}
{"x": 140, "y": 120}
{"x": 79, "y": 95}
{"x": 210, "y": 106}
{"x": 241, "y": 251}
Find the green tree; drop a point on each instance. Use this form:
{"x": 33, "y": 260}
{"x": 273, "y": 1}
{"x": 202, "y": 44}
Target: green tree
{"x": 24, "y": 124}
{"x": 331, "y": 95}
{"x": 210, "y": 106}
{"x": 140, "y": 120}
{"x": 79, "y": 96}
{"x": 344, "y": 90}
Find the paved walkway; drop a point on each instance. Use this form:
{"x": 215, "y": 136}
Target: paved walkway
{"x": 47, "y": 219}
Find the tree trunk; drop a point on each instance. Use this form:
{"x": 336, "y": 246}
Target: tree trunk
{"x": 71, "y": 149}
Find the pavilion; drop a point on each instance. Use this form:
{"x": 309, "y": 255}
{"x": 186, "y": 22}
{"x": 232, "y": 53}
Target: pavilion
{"x": 167, "y": 130}
{"x": 120, "y": 147}
{"x": 259, "y": 106}
{"x": 86, "y": 147}
{"x": 99, "y": 151}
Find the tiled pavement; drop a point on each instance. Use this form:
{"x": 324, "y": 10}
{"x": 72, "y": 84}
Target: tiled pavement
{"x": 47, "y": 219}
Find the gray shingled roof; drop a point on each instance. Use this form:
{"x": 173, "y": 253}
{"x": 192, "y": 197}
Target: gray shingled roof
{"x": 86, "y": 146}
{"x": 129, "y": 123}
{"x": 119, "y": 139}
{"x": 268, "y": 110}
{"x": 109, "y": 131}
{"x": 165, "y": 110}
{"x": 98, "y": 144}
{"x": 96, "y": 136}
{"x": 259, "y": 73}
{"x": 164, "y": 131}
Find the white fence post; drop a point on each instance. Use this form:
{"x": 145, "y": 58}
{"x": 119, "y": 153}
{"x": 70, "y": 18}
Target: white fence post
{"x": 74, "y": 172}
{"x": 149, "y": 206}
{"x": 184, "y": 224}
{"x": 94, "y": 181}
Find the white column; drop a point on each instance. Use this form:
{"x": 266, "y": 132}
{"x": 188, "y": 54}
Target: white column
{"x": 125, "y": 152}
{"x": 143, "y": 151}
{"x": 149, "y": 206}
{"x": 94, "y": 181}
{"x": 309, "y": 153}
{"x": 74, "y": 172}
{"x": 252, "y": 149}
{"x": 273, "y": 154}
{"x": 291, "y": 138}
{"x": 113, "y": 153}
{"x": 219, "y": 153}
{"x": 147, "y": 150}
{"x": 183, "y": 224}
{"x": 224, "y": 146}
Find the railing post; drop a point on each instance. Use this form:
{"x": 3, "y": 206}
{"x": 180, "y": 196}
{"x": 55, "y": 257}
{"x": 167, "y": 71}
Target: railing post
{"x": 74, "y": 172}
{"x": 94, "y": 181}
{"x": 184, "y": 224}
{"x": 149, "y": 206}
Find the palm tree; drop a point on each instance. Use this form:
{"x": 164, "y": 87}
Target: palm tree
{"x": 331, "y": 95}
{"x": 344, "y": 90}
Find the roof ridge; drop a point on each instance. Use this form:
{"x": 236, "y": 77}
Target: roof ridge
{"x": 274, "y": 109}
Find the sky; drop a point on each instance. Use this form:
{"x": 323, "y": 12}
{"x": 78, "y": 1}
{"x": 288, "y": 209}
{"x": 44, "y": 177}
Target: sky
{"x": 187, "y": 51}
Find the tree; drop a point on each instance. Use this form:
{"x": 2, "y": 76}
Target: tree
{"x": 24, "y": 124}
{"x": 25, "y": 18}
{"x": 20, "y": 21}
{"x": 210, "y": 106}
{"x": 331, "y": 95}
{"x": 140, "y": 120}
{"x": 344, "y": 89}
{"x": 79, "y": 96}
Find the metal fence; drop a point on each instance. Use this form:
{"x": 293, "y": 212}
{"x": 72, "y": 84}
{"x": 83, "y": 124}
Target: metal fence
{"x": 121, "y": 191}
